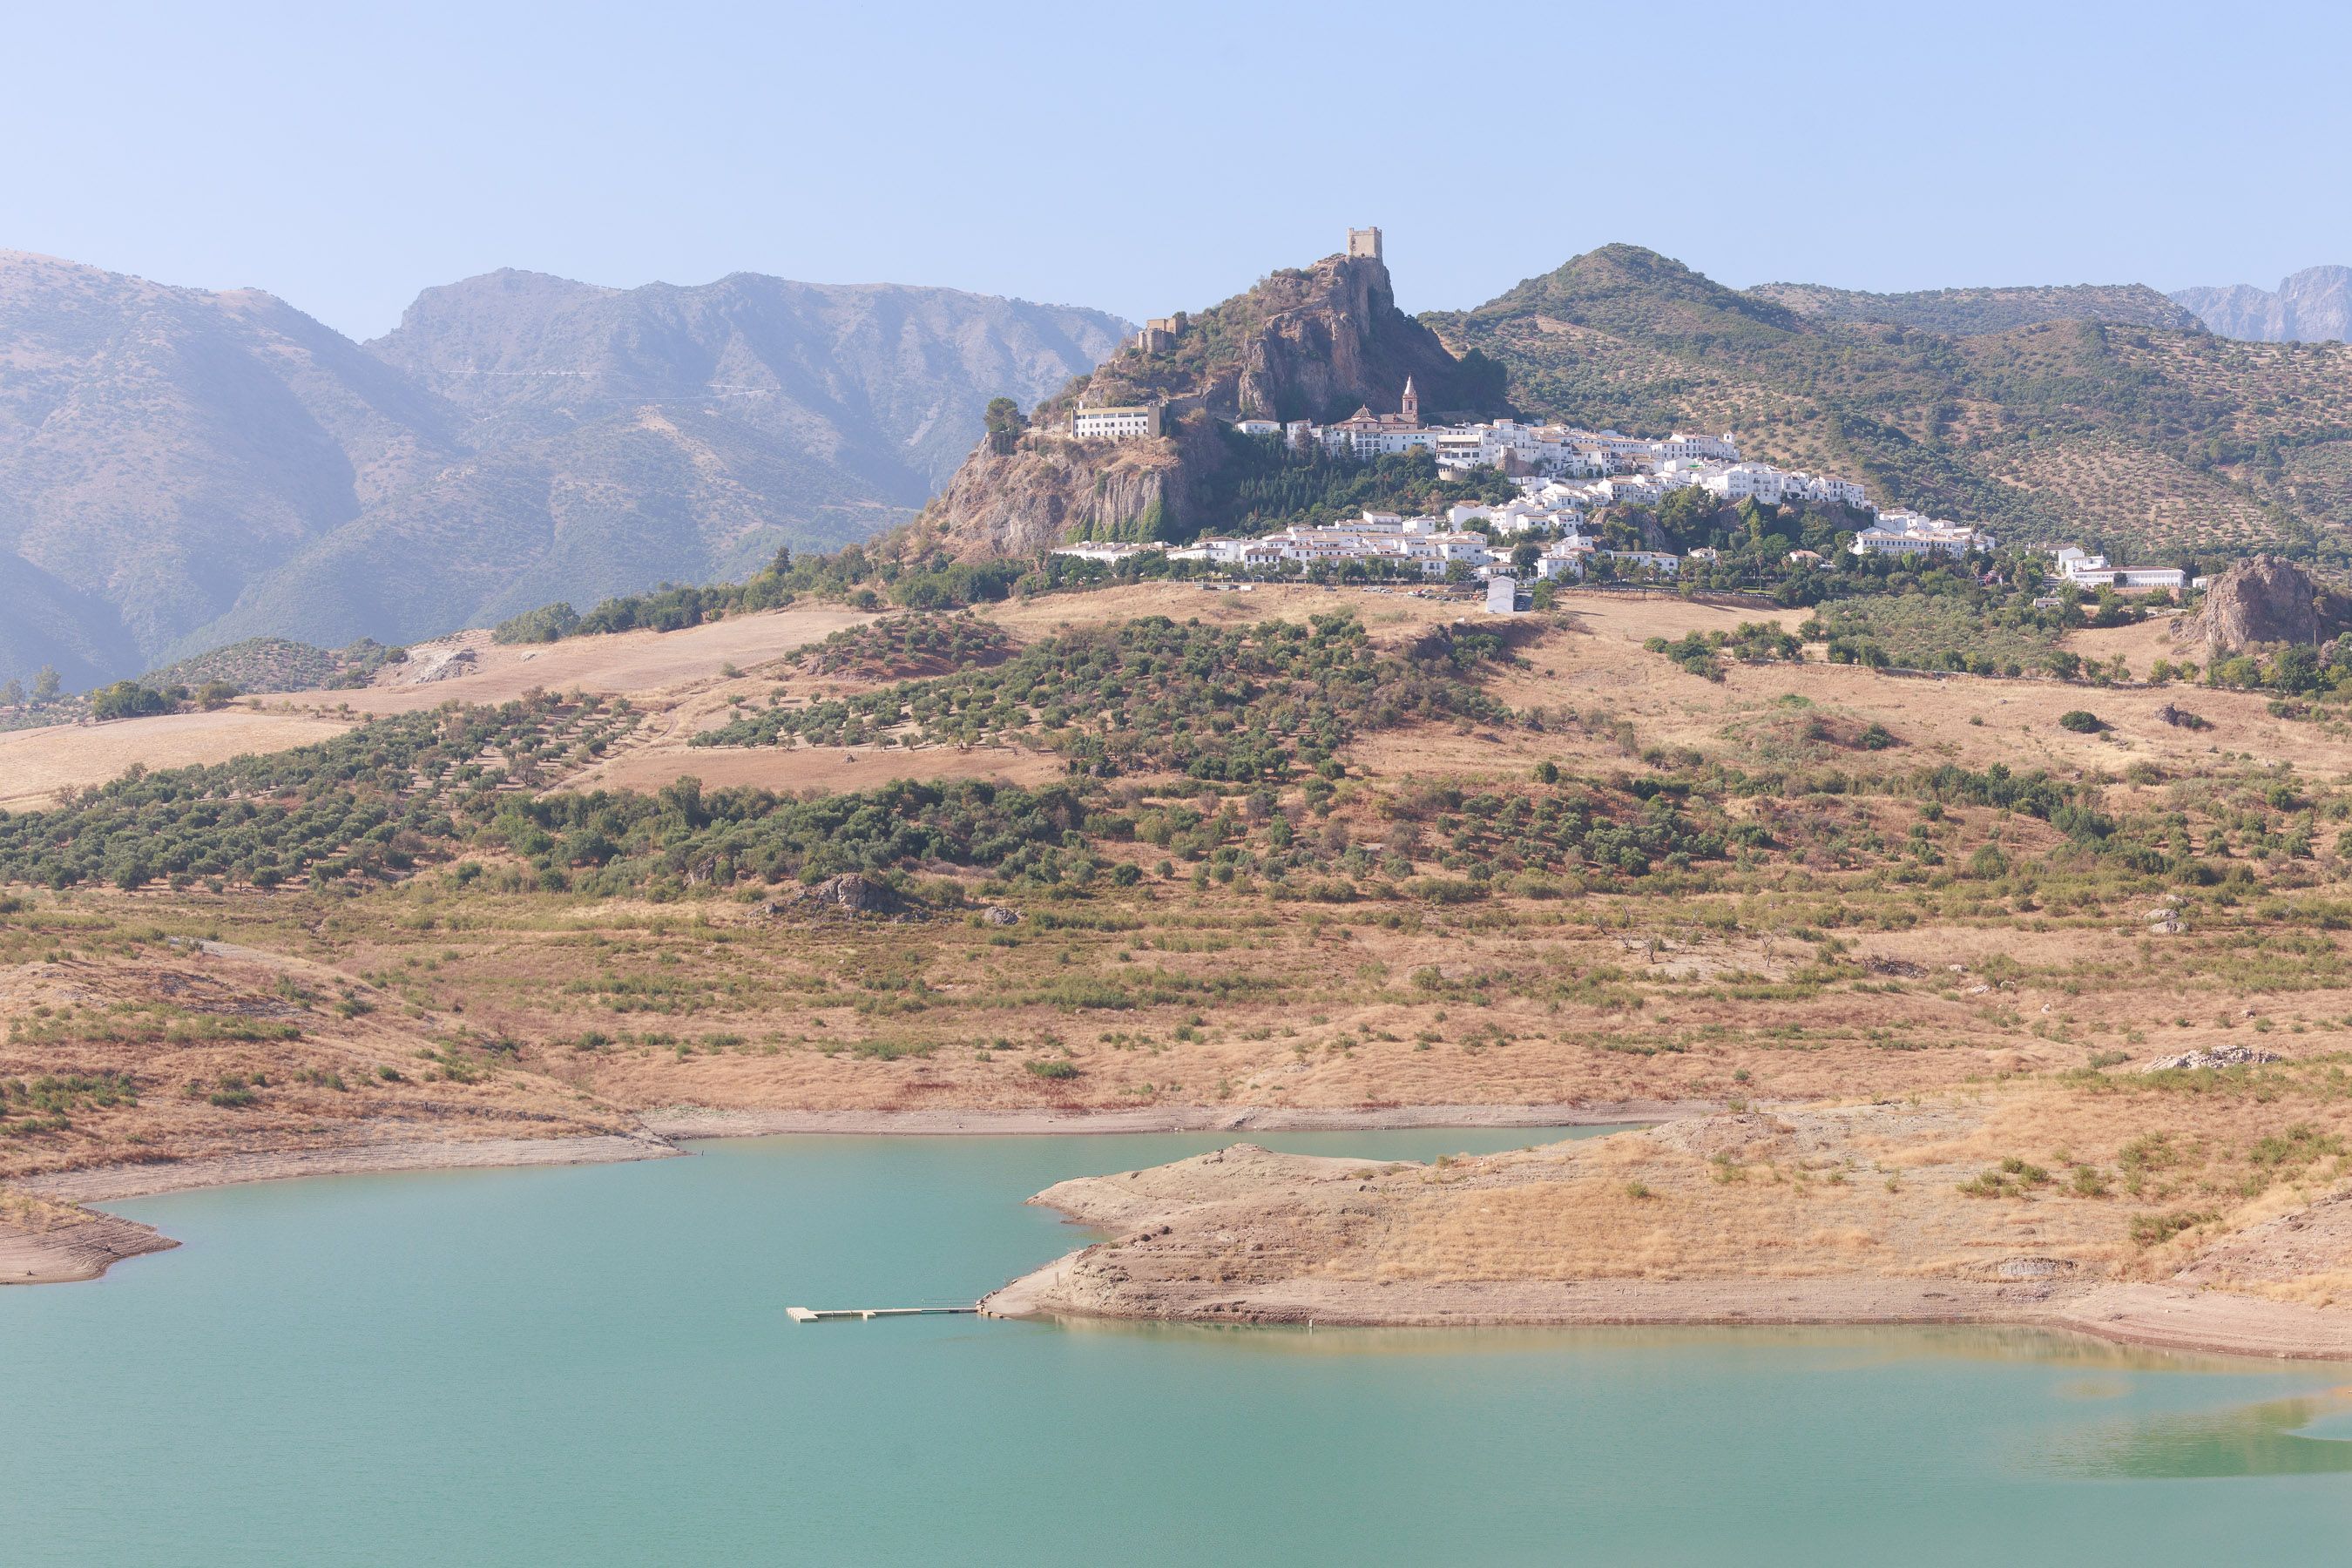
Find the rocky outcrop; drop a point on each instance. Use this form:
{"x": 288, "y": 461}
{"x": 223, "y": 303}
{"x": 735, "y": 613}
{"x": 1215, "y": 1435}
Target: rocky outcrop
{"x": 1313, "y": 342}
{"x": 856, "y": 894}
{"x": 2215, "y": 1059}
{"x": 1050, "y": 489}
{"x": 2262, "y": 601}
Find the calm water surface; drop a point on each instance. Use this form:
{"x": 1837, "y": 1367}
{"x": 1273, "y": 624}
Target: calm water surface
{"x": 592, "y": 1366}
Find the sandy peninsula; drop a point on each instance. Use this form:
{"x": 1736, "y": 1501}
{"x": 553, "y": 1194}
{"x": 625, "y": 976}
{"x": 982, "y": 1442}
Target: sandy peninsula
{"x": 1751, "y": 1219}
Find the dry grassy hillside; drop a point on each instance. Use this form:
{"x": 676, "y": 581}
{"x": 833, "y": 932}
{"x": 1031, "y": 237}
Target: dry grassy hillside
{"x": 1473, "y": 864}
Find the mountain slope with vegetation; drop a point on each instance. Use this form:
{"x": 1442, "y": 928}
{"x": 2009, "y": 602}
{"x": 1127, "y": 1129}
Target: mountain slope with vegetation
{"x": 181, "y": 469}
{"x": 1965, "y": 312}
{"x": 2142, "y": 440}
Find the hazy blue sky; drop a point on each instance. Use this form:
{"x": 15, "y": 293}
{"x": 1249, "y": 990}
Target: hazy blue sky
{"x": 1148, "y": 158}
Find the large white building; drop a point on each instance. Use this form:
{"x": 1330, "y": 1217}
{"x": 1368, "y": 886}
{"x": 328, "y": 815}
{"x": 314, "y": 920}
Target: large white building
{"x": 2085, "y": 570}
{"x": 1900, "y": 532}
{"x": 1121, "y": 424}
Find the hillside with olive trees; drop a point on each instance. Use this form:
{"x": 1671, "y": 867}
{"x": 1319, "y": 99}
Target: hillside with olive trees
{"x": 2147, "y": 439}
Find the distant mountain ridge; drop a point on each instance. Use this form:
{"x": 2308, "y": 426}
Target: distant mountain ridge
{"x": 2314, "y": 305}
{"x": 182, "y": 467}
{"x": 1965, "y": 312}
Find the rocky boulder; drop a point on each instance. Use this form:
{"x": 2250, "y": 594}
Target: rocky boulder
{"x": 2266, "y": 600}
{"x": 854, "y": 894}
{"x": 2216, "y": 1058}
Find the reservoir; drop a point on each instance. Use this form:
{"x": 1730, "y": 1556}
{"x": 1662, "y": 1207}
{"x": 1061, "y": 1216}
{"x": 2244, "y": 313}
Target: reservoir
{"x": 592, "y": 1364}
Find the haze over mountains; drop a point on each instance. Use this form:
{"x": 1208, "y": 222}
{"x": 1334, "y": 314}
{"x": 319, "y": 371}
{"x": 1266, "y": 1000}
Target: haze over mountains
{"x": 183, "y": 467}
{"x": 2314, "y": 305}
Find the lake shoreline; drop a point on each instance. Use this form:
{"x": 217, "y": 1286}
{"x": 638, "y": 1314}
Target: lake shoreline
{"x": 946, "y": 1121}
{"x": 51, "y": 1253}
{"x": 65, "y": 1242}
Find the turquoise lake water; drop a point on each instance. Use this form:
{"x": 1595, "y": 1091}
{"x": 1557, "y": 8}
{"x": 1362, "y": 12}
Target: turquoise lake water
{"x": 592, "y": 1366}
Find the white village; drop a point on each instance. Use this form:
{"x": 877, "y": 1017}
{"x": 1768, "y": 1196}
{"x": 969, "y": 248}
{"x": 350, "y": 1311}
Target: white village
{"x": 1567, "y": 479}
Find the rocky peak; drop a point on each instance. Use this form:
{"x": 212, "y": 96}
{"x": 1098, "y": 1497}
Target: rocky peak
{"x": 2266, "y": 600}
{"x": 1308, "y": 342}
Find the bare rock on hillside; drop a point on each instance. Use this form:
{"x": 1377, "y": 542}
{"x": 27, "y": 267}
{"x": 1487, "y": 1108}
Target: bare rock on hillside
{"x": 2219, "y": 1057}
{"x": 2266, "y": 600}
{"x": 856, "y": 894}
{"x": 450, "y": 664}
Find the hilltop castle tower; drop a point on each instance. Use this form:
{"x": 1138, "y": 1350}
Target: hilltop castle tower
{"x": 1365, "y": 242}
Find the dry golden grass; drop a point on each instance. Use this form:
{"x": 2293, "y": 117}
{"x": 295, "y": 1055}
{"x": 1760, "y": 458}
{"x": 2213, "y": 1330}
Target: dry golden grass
{"x": 37, "y": 765}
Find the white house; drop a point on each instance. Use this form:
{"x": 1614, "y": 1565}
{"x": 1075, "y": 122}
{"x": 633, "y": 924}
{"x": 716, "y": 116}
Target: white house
{"x": 1564, "y": 559}
{"x": 1637, "y": 560}
{"x": 1258, "y": 427}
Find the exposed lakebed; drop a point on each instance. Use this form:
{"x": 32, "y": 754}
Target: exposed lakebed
{"x": 592, "y": 1364}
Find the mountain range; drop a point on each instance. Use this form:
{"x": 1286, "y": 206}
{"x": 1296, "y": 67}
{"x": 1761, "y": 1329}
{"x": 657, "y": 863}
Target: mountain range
{"x": 2314, "y": 305}
{"x": 183, "y": 467}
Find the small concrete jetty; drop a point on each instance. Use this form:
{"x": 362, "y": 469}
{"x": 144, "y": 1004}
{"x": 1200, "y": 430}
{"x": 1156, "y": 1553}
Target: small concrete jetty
{"x": 867, "y": 1314}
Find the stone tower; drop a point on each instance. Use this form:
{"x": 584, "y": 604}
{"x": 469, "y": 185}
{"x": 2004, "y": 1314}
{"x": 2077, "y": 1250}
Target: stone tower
{"x": 1364, "y": 242}
{"x": 1411, "y": 407}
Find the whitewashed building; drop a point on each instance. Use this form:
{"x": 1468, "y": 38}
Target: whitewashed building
{"x": 1133, "y": 422}
{"x": 2088, "y": 571}
{"x": 1901, "y": 533}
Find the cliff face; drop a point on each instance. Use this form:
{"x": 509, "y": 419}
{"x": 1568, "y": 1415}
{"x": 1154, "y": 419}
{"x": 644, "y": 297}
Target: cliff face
{"x": 2266, "y": 600}
{"x": 1331, "y": 338}
{"x": 1312, "y": 342}
{"x": 1051, "y": 488}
